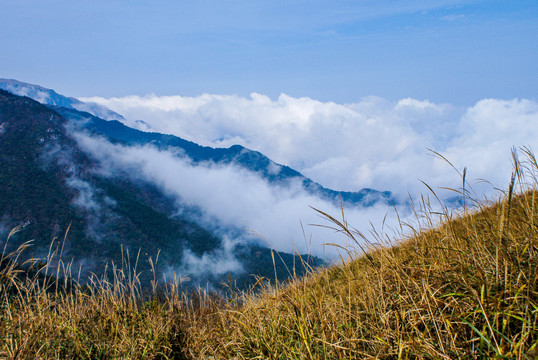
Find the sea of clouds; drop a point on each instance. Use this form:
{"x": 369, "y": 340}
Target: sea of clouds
{"x": 372, "y": 143}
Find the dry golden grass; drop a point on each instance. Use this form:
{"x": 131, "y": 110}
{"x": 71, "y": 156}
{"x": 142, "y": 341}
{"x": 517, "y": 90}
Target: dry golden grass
{"x": 465, "y": 289}
{"x": 43, "y": 317}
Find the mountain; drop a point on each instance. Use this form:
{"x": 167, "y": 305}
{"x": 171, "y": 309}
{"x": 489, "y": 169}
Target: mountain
{"x": 89, "y": 116}
{"x": 48, "y": 184}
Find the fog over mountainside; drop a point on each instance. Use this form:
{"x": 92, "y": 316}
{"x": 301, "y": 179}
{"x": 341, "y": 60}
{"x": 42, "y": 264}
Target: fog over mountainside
{"x": 48, "y": 184}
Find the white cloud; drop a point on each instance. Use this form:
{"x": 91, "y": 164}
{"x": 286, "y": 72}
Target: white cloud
{"x": 420, "y": 105}
{"x": 85, "y": 194}
{"x": 489, "y": 130}
{"x": 372, "y": 143}
{"x": 218, "y": 262}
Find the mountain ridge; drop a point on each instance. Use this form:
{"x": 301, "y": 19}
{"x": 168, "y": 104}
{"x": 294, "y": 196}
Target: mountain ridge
{"x": 249, "y": 159}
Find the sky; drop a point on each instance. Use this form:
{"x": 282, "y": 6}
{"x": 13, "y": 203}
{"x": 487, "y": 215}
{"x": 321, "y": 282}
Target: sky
{"x": 455, "y": 51}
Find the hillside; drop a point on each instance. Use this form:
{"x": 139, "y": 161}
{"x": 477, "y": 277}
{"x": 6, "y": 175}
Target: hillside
{"x": 466, "y": 289}
{"x": 47, "y": 182}
{"x": 51, "y": 97}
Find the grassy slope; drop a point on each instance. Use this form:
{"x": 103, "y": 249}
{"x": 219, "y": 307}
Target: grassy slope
{"x": 466, "y": 289}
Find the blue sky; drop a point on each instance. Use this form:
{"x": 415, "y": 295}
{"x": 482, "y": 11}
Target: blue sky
{"x": 452, "y": 51}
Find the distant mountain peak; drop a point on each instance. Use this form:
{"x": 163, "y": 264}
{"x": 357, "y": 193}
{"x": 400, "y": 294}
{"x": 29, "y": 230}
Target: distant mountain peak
{"x": 50, "y": 97}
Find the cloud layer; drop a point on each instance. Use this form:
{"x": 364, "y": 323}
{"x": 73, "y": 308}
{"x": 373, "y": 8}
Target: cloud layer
{"x": 372, "y": 143}
{"x": 234, "y": 201}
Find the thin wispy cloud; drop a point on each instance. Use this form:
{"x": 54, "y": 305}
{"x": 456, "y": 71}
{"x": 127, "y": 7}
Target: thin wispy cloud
{"x": 454, "y": 17}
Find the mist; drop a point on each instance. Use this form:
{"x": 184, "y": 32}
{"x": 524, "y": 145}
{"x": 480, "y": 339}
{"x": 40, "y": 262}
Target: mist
{"x": 232, "y": 198}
